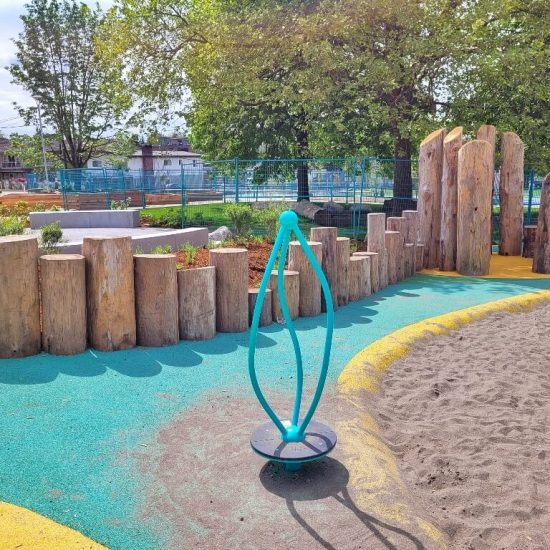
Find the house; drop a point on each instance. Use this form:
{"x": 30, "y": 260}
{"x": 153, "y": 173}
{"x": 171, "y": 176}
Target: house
{"x": 12, "y": 172}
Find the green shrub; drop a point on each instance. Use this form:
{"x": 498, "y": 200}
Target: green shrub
{"x": 190, "y": 252}
{"x": 241, "y": 216}
{"x": 39, "y": 207}
{"x": 123, "y": 204}
{"x": 268, "y": 218}
{"x": 198, "y": 218}
{"x": 166, "y": 249}
{"x": 21, "y": 208}
{"x": 50, "y": 237}
{"x": 55, "y": 208}
{"x": 12, "y": 225}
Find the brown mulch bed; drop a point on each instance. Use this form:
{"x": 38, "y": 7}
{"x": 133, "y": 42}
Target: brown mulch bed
{"x": 258, "y": 254}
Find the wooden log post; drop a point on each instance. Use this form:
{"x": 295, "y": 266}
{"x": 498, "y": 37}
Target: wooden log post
{"x": 398, "y": 224}
{"x": 327, "y": 237}
{"x": 310, "y": 287}
{"x": 394, "y": 251}
{"x": 374, "y": 269}
{"x": 473, "y": 252}
{"x": 156, "y": 284}
{"x": 411, "y": 235}
{"x": 529, "y": 238}
{"x": 266, "y": 317}
{"x": 409, "y": 255}
{"x": 343, "y": 251}
{"x": 419, "y": 257}
{"x": 19, "y": 302}
{"x": 488, "y": 133}
{"x": 511, "y": 195}
{"x": 62, "y": 282}
{"x": 197, "y": 303}
{"x": 449, "y": 199}
{"x": 430, "y": 169}
{"x": 541, "y": 253}
{"x": 110, "y": 292}
{"x": 376, "y": 227}
{"x": 291, "y": 283}
{"x": 231, "y": 288}
{"x": 359, "y": 273}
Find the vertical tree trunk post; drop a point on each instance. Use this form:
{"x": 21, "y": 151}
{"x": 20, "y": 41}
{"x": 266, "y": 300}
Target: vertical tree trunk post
{"x": 291, "y": 282}
{"x": 310, "y": 287}
{"x": 110, "y": 291}
{"x": 327, "y": 237}
{"x": 449, "y": 199}
{"x": 19, "y": 302}
{"x": 398, "y": 224}
{"x": 266, "y": 317}
{"x": 376, "y": 227}
{"x": 511, "y": 195}
{"x": 411, "y": 234}
{"x": 63, "y": 281}
{"x": 231, "y": 288}
{"x": 409, "y": 254}
{"x": 394, "y": 250}
{"x": 430, "y": 169}
{"x": 197, "y": 303}
{"x": 541, "y": 253}
{"x": 358, "y": 273}
{"x": 529, "y": 238}
{"x": 488, "y": 133}
{"x": 156, "y": 286}
{"x": 342, "y": 270}
{"x": 374, "y": 269}
{"x": 473, "y": 253}
{"x": 419, "y": 257}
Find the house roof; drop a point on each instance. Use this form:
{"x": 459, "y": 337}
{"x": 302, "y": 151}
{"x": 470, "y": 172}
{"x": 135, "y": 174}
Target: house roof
{"x": 163, "y": 154}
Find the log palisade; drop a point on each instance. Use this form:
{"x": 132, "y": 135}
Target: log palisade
{"x": 266, "y": 316}
{"x": 541, "y": 253}
{"x": 342, "y": 270}
{"x": 310, "y": 287}
{"x": 291, "y": 283}
{"x": 376, "y": 227}
{"x": 394, "y": 251}
{"x": 327, "y": 237}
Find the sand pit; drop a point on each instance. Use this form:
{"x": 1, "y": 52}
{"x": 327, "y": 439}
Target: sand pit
{"x": 468, "y": 417}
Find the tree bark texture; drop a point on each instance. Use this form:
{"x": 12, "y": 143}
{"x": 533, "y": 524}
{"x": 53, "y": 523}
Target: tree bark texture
{"x": 394, "y": 251}
{"x": 541, "y": 253}
{"x": 291, "y": 283}
{"x": 266, "y": 317}
{"x": 343, "y": 252}
{"x": 327, "y": 237}
{"x": 310, "y": 287}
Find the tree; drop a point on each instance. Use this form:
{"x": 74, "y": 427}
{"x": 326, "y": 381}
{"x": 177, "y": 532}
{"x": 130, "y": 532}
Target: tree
{"x": 57, "y": 64}
{"x": 120, "y": 147}
{"x": 28, "y": 150}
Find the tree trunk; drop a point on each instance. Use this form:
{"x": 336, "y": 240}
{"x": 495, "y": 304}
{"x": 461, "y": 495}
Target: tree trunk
{"x": 110, "y": 289}
{"x": 430, "y": 168}
{"x": 342, "y": 270}
{"x": 419, "y": 257}
{"x": 488, "y": 133}
{"x": 449, "y": 199}
{"x": 63, "y": 281}
{"x": 291, "y": 283}
{"x": 529, "y": 238}
{"x": 402, "y": 176}
{"x": 411, "y": 235}
{"x": 303, "y": 168}
{"x": 409, "y": 256}
{"x": 511, "y": 195}
{"x": 231, "y": 288}
{"x": 541, "y": 254}
{"x": 19, "y": 303}
{"x": 359, "y": 275}
{"x": 475, "y": 167}
{"x": 197, "y": 303}
{"x": 398, "y": 224}
{"x": 327, "y": 237}
{"x": 310, "y": 287}
{"x": 393, "y": 241}
{"x": 156, "y": 299}
{"x": 376, "y": 227}
{"x": 266, "y": 317}
{"x": 374, "y": 269}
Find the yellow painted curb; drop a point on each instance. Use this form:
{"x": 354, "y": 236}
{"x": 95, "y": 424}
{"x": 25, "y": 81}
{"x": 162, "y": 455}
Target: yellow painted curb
{"x": 22, "y": 529}
{"x": 374, "y": 472}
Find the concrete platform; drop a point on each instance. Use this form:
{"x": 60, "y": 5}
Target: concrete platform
{"x": 86, "y": 218}
{"x": 143, "y": 238}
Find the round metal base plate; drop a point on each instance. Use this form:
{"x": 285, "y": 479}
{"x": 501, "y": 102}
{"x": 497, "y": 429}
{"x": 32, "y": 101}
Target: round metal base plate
{"x": 319, "y": 441}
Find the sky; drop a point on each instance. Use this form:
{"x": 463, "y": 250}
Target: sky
{"x": 10, "y": 27}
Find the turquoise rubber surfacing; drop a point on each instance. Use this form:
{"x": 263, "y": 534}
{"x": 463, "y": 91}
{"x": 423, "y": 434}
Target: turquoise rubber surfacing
{"x": 71, "y": 427}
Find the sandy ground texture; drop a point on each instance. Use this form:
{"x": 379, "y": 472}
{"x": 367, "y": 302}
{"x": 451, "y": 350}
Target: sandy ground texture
{"x": 468, "y": 417}
{"x": 211, "y": 491}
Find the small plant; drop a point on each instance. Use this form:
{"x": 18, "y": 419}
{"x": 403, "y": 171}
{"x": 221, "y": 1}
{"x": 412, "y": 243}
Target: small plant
{"x": 269, "y": 219}
{"x": 4, "y": 210}
{"x": 166, "y": 249}
{"x": 123, "y": 204}
{"x": 241, "y": 216}
{"x": 21, "y": 208}
{"x": 138, "y": 250}
{"x": 11, "y": 225}
{"x": 198, "y": 218}
{"x": 211, "y": 245}
{"x": 50, "y": 237}
{"x": 257, "y": 240}
{"x": 55, "y": 208}
{"x": 179, "y": 266}
{"x": 354, "y": 246}
{"x": 39, "y": 207}
{"x": 190, "y": 252}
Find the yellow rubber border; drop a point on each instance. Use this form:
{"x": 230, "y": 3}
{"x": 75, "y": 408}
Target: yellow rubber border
{"x": 22, "y": 529}
{"x": 374, "y": 471}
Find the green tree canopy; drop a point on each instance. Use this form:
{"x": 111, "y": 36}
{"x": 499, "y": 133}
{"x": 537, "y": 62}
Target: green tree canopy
{"x": 57, "y": 64}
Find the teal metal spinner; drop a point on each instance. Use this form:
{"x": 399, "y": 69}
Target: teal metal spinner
{"x": 290, "y": 441}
